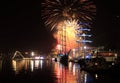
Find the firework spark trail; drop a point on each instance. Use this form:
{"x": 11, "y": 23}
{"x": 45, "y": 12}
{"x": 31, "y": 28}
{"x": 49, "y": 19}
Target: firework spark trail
{"x": 56, "y": 11}
{"x": 58, "y": 14}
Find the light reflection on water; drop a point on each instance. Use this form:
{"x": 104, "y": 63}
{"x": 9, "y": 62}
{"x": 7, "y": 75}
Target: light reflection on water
{"x": 46, "y": 69}
{"x": 18, "y": 65}
{"x": 63, "y": 74}
{"x": 70, "y": 74}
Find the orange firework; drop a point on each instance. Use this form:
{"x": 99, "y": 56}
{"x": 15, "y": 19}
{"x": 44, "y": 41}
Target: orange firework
{"x": 64, "y": 15}
{"x": 70, "y": 26}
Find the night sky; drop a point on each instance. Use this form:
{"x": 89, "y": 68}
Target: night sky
{"x": 106, "y": 27}
{"x": 21, "y": 26}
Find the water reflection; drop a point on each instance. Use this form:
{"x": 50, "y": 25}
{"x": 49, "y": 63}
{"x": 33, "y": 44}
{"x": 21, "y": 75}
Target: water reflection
{"x": 32, "y": 65}
{"x": 17, "y": 65}
{"x": 48, "y": 71}
{"x": 59, "y": 73}
{"x": 70, "y": 74}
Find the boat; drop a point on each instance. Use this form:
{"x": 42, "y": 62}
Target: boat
{"x": 95, "y": 65}
{"x": 64, "y": 59}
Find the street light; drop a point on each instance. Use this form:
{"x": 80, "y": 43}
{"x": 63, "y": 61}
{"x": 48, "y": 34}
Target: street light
{"x": 32, "y": 54}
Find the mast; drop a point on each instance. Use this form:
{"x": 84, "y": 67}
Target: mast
{"x": 82, "y": 35}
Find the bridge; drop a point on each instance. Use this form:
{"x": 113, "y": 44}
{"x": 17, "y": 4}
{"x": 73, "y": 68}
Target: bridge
{"x": 18, "y": 56}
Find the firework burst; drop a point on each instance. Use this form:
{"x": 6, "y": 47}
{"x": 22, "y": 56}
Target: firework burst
{"x": 70, "y": 26}
{"x": 60, "y": 14}
{"x": 57, "y": 11}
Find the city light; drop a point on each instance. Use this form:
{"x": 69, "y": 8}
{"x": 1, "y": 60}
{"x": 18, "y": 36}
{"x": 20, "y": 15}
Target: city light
{"x": 32, "y": 53}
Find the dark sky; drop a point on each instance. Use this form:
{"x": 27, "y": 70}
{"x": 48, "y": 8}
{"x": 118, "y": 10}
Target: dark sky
{"x": 21, "y": 26}
{"x": 106, "y": 27}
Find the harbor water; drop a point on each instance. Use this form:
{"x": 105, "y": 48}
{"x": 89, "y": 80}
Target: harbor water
{"x": 49, "y": 71}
